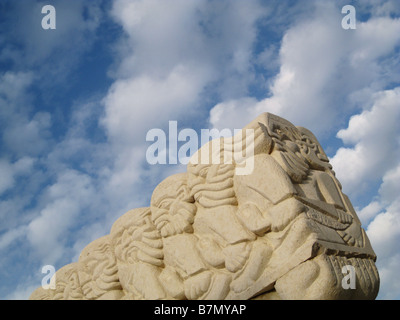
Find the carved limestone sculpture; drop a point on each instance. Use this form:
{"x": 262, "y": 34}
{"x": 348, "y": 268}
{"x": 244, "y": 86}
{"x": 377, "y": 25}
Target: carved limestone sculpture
{"x": 283, "y": 230}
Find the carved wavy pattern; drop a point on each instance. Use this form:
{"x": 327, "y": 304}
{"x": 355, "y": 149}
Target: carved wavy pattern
{"x": 212, "y": 185}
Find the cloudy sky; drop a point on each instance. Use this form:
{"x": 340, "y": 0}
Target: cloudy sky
{"x": 76, "y": 104}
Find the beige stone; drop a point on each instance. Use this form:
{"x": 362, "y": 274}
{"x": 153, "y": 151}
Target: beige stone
{"x": 283, "y": 230}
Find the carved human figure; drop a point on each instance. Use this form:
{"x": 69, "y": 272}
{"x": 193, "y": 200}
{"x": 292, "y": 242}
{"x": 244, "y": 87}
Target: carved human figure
{"x": 138, "y": 250}
{"x": 67, "y": 284}
{"x": 173, "y": 212}
{"x": 98, "y": 271}
{"x": 298, "y": 196}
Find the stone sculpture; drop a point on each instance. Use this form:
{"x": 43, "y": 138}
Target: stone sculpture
{"x": 283, "y": 231}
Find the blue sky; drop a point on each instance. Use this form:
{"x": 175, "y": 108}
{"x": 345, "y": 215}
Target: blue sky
{"x": 76, "y": 104}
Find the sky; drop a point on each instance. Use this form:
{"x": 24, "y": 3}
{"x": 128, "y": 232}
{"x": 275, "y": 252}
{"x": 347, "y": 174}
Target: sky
{"x": 77, "y": 101}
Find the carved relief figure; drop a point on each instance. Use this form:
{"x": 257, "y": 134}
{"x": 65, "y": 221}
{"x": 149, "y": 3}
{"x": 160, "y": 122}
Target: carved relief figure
{"x": 98, "y": 271}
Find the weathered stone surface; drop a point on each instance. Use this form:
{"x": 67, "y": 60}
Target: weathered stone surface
{"x": 283, "y": 230}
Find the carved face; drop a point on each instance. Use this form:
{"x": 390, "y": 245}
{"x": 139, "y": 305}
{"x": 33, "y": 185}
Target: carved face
{"x": 171, "y": 206}
{"x": 295, "y": 148}
{"x": 136, "y": 243}
{"x": 98, "y": 271}
{"x": 286, "y": 150}
{"x": 312, "y": 150}
{"x": 67, "y": 284}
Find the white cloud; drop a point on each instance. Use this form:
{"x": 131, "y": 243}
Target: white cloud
{"x": 75, "y": 20}
{"x": 384, "y": 231}
{"x": 10, "y": 171}
{"x": 7, "y": 179}
{"x": 18, "y": 132}
{"x": 176, "y": 50}
{"x": 383, "y": 7}
{"x": 391, "y": 185}
{"x": 24, "y": 133}
{"x": 64, "y": 201}
{"x": 9, "y": 237}
{"x": 369, "y": 212}
{"x": 147, "y": 102}
{"x": 232, "y": 114}
{"x": 326, "y": 73}
{"x": 12, "y": 84}
{"x": 310, "y": 53}
{"x": 27, "y": 136}
{"x": 384, "y": 234}
{"x": 374, "y": 135}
